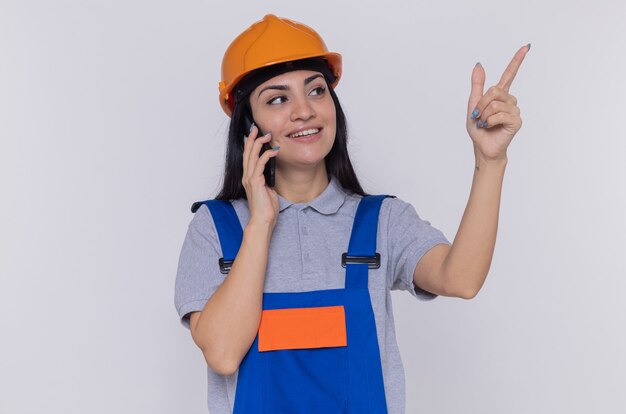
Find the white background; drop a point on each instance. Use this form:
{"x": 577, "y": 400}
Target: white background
{"x": 110, "y": 128}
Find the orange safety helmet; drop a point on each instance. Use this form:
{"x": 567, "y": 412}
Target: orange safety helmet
{"x": 267, "y": 42}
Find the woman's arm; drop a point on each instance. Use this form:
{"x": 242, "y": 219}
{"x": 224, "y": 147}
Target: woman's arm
{"x": 461, "y": 269}
{"x": 227, "y": 326}
{"x": 493, "y": 119}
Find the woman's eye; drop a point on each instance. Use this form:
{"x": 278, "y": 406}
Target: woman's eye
{"x": 273, "y": 101}
{"x": 281, "y": 99}
{"x": 320, "y": 90}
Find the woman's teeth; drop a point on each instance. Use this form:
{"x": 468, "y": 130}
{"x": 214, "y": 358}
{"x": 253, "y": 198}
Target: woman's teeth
{"x": 304, "y": 133}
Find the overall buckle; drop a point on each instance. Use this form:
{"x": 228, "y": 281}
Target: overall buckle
{"x": 373, "y": 262}
{"x": 225, "y": 265}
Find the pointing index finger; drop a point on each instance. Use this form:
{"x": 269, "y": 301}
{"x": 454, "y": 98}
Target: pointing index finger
{"x": 509, "y": 73}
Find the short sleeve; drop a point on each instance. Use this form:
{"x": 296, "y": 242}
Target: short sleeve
{"x": 409, "y": 238}
{"x": 198, "y": 275}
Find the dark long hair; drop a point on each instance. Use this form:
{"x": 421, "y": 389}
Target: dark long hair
{"x": 337, "y": 161}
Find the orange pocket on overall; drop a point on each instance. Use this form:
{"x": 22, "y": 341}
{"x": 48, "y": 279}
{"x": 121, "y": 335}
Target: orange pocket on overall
{"x": 302, "y": 328}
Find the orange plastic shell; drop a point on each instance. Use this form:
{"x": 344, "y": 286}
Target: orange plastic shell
{"x": 267, "y": 42}
{"x": 302, "y": 328}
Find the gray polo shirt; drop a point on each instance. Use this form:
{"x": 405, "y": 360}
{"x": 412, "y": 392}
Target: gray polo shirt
{"x": 305, "y": 254}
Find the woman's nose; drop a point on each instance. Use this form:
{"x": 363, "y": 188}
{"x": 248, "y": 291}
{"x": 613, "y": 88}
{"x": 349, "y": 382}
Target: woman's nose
{"x": 302, "y": 109}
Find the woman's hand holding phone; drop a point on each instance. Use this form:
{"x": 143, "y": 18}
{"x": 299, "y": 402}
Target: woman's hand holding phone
{"x": 262, "y": 199}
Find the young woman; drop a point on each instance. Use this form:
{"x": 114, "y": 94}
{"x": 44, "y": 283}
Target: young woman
{"x": 285, "y": 285}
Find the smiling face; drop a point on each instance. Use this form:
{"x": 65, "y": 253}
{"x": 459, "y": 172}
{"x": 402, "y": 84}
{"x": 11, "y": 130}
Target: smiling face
{"x": 297, "y": 107}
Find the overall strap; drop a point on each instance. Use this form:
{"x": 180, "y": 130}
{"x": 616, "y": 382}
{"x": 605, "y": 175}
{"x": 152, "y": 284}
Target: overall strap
{"x": 362, "y": 254}
{"x": 228, "y": 229}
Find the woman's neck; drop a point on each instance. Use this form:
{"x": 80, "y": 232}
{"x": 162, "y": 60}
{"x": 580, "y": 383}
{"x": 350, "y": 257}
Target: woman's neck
{"x": 302, "y": 186}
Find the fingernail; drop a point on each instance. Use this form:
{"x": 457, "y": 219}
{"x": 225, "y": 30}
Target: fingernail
{"x": 528, "y": 46}
{"x": 479, "y": 124}
{"x": 485, "y": 124}
{"x": 268, "y": 134}
{"x": 251, "y": 126}
{"x": 474, "y": 114}
{"x": 477, "y": 64}
{"x": 245, "y": 138}
{"x": 276, "y": 148}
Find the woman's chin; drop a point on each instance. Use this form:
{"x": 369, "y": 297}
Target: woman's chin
{"x": 303, "y": 162}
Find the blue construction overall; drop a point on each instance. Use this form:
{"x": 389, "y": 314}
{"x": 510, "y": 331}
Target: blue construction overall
{"x": 338, "y": 374}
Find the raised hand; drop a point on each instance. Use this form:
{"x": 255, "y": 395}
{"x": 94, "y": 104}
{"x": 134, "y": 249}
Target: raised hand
{"x": 493, "y": 117}
{"x": 263, "y": 201}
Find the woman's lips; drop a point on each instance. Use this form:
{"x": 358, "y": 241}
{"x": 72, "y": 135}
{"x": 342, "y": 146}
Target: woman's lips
{"x": 308, "y": 138}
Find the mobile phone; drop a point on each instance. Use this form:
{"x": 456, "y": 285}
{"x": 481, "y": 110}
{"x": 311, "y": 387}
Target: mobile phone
{"x": 270, "y": 167}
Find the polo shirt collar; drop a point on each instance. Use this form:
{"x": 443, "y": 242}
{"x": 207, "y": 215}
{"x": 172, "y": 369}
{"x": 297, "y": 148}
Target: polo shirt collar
{"x": 328, "y": 202}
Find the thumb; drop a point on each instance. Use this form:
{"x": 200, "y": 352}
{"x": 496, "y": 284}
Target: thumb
{"x": 478, "y": 84}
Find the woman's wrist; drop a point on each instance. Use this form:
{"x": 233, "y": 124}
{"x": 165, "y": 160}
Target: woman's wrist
{"x": 259, "y": 228}
{"x": 484, "y": 163}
